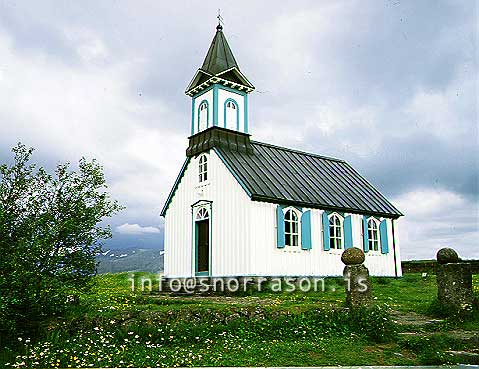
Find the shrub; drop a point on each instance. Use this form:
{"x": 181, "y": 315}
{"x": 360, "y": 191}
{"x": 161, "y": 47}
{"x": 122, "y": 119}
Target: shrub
{"x": 49, "y": 238}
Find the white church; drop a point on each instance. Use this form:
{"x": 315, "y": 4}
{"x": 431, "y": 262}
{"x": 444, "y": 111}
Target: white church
{"x": 245, "y": 208}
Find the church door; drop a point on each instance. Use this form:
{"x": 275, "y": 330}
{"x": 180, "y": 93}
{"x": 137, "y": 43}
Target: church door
{"x": 203, "y": 246}
{"x": 202, "y": 241}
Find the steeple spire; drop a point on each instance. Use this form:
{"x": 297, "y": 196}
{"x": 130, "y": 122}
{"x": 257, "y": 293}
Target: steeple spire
{"x": 219, "y": 57}
{"x": 219, "y": 64}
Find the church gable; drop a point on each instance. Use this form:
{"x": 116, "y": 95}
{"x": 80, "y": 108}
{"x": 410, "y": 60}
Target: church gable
{"x": 276, "y": 174}
{"x": 203, "y": 174}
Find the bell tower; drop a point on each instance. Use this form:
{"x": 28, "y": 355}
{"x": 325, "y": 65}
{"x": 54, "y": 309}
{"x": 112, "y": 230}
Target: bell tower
{"x": 219, "y": 91}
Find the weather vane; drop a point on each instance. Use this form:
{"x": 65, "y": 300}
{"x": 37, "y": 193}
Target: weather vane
{"x": 220, "y": 18}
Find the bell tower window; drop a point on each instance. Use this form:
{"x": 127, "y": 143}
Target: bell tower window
{"x": 203, "y": 116}
{"x": 231, "y": 114}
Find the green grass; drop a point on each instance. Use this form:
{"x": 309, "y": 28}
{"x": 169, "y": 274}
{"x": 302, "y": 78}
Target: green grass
{"x": 113, "y": 326}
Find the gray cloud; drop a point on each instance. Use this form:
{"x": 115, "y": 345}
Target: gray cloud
{"x": 388, "y": 86}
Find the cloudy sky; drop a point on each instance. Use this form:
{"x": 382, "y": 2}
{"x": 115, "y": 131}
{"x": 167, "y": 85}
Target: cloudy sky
{"x": 390, "y": 86}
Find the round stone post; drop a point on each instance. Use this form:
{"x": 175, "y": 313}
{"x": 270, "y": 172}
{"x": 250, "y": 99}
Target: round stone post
{"x": 454, "y": 281}
{"x": 356, "y": 278}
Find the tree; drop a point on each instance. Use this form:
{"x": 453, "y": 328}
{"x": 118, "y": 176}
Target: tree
{"x": 50, "y": 231}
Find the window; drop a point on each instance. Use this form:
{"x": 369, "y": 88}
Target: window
{"x": 202, "y": 214}
{"x": 291, "y": 228}
{"x": 231, "y": 115}
{"x": 203, "y": 168}
{"x": 335, "y": 232}
{"x": 203, "y": 116}
{"x": 373, "y": 235}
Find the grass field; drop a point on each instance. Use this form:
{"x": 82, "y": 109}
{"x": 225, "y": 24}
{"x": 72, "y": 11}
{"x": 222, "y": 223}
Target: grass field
{"x": 114, "y": 327}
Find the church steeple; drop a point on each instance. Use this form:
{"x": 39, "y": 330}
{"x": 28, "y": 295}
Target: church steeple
{"x": 219, "y": 90}
{"x": 219, "y": 57}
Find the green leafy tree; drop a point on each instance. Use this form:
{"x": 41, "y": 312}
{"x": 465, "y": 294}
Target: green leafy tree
{"x": 50, "y": 231}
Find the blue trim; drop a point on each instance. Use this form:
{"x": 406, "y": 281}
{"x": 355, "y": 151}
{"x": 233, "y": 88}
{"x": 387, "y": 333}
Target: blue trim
{"x": 215, "y": 105}
{"x": 325, "y": 221}
{"x": 348, "y": 232}
{"x": 207, "y": 113}
{"x": 365, "y": 234}
{"x": 210, "y": 267}
{"x": 193, "y": 241}
{"x": 237, "y": 112}
{"x": 192, "y": 116}
{"x": 245, "y": 114}
{"x": 195, "y": 237}
{"x": 306, "y": 243}
{"x": 280, "y": 238}
{"x": 383, "y": 230}
{"x": 195, "y": 227}
{"x": 215, "y": 87}
{"x": 231, "y": 171}
{"x": 175, "y": 186}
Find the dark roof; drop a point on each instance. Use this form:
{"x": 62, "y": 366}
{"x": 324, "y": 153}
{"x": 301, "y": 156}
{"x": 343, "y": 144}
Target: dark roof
{"x": 219, "y": 64}
{"x": 219, "y": 57}
{"x": 280, "y": 175}
{"x": 284, "y": 176}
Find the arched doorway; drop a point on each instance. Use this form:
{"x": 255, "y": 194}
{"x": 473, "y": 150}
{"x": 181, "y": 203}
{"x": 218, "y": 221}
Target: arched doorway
{"x": 202, "y": 241}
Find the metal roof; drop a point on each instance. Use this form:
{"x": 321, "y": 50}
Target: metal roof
{"x": 280, "y": 175}
{"x": 219, "y": 57}
{"x": 219, "y": 66}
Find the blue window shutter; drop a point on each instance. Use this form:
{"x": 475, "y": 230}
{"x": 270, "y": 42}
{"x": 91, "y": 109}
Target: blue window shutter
{"x": 365, "y": 234}
{"x": 325, "y": 231}
{"x": 280, "y": 227}
{"x": 348, "y": 232}
{"x": 306, "y": 230}
{"x": 383, "y": 230}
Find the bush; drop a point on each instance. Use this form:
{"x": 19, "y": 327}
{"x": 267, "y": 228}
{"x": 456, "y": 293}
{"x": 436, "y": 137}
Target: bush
{"x": 49, "y": 238}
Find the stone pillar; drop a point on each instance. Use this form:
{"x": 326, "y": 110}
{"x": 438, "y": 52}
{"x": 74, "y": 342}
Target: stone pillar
{"x": 454, "y": 281}
{"x": 356, "y": 278}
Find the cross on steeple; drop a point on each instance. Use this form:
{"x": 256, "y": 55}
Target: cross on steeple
{"x": 220, "y": 19}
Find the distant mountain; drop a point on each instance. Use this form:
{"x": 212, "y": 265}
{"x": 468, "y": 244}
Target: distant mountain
{"x": 143, "y": 241}
{"x": 130, "y": 260}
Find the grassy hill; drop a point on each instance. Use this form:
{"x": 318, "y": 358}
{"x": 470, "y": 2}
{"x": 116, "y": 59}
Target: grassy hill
{"x": 115, "y": 327}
